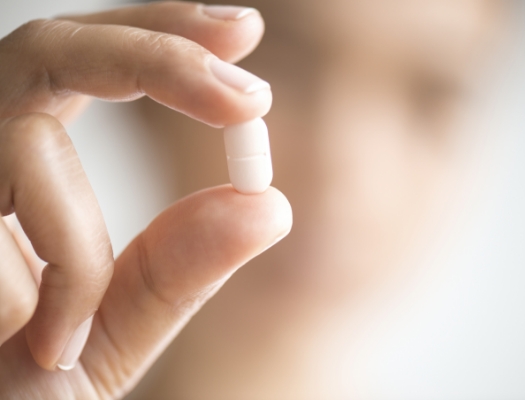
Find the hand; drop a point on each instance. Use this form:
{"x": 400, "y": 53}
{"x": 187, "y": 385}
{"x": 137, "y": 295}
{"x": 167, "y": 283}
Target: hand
{"x": 133, "y": 307}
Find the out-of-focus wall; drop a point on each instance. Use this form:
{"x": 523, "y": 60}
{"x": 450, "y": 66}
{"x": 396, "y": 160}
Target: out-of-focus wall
{"x": 125, "y": 165}
{"x": 456, "y": 329}
{"x": 458, "y": 332}
{"x": 14, "y": 13}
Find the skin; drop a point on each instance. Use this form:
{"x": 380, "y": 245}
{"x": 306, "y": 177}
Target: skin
{"x": 141, "y": 300}
{"x": 367, "y": 142}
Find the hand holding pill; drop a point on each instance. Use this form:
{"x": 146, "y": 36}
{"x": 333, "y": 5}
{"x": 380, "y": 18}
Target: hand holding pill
{"x": 181, "y": 55}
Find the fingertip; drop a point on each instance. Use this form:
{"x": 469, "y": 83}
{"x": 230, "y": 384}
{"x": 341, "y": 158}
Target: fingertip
{"x": 281, "y": 211}
{"x": 237, "y": 95}
{"x": 256, "y": 221}
{"x": 233, "y": 227}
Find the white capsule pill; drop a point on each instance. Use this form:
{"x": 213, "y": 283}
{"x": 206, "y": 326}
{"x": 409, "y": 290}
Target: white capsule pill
{"x": 248, "y": 153}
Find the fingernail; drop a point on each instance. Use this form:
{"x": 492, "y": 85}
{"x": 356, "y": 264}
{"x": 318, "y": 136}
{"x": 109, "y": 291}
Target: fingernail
{"x": 74, "y": 347}
{"x": 236, "y": 77}
{"x": 228, "y": 13}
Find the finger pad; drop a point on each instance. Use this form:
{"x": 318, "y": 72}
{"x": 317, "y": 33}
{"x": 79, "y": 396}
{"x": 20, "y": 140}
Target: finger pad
{"x": 218, "y": 227}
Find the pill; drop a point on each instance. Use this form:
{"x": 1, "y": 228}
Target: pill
{"x": 248, "y": 153}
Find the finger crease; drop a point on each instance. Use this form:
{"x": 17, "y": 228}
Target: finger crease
{"x": 49, "y": 82}
{"x": 108, "y": 387}
{"x": 145, "y": 272}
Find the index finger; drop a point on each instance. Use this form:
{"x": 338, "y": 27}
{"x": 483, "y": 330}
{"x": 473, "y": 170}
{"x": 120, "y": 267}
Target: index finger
{"x": 46, "y": 59}
{"x": 229, "y": 32}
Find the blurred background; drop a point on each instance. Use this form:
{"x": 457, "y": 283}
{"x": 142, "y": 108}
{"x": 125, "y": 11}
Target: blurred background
{"x": 398, "y": 135}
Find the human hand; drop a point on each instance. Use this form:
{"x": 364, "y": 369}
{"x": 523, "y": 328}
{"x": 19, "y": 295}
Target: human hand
{"x": 49, "y": 70}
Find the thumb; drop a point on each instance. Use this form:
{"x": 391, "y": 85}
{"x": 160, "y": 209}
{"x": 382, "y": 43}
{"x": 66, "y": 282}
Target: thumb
{"x": 169, "y": 271}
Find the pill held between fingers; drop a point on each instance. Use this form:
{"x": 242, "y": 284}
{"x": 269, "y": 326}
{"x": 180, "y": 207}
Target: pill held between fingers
{"x": 248, "y": 154}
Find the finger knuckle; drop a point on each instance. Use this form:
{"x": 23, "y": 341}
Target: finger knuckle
{"x": 38, "y": 133}
{"x": 18, "y": 312}
{"x": 34, "y": 26}
{"x": 31, "y": 29}
{"x": 24, "y": 46}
